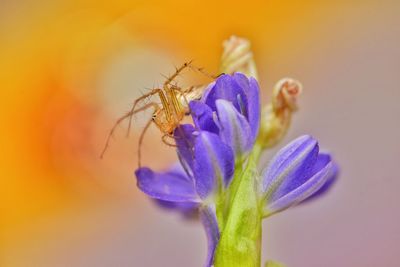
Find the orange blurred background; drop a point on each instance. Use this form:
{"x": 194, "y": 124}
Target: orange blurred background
{"x": 68, "y": 69}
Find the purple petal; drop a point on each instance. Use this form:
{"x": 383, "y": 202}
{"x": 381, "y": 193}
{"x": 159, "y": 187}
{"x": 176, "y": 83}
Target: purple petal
{"x": 203, "y": 116}
{"x": 291, "y": 167}
{"x": 234, "y": 128}
{"x": 253, "y": 107}
{"x": 166, "y": 186}
{"x": 188, "y": 209}
{"x": 227, "y": 88}
{"x": 207, "y": 91}
{"x": 209, "y": 220}
{"x": 184, "y": 139}
{"x": 330, "y": 181}
{"x": 303, "y": 191}
{"x": 177, "y": 169}
{"x": 241, "y": 81}
{"x": 213, "y": 164}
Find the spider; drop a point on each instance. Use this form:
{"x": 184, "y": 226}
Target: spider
{"x": 168, "y": 114}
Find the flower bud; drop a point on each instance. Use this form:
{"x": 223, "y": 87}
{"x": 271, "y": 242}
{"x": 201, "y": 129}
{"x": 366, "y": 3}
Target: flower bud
{"x": 238, "y": 57}
{"x": 276, "y": 116}
{"x": 285, "y": 94}
{"x": 297, "y": 172}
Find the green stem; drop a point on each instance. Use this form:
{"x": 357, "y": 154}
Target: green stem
{"x": 240, "y": 242}
{"x": 256, "y": 152}
{"x": 231, "y": 193}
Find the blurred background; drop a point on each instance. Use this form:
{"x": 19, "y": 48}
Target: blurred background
{"x": 68, "y": 69}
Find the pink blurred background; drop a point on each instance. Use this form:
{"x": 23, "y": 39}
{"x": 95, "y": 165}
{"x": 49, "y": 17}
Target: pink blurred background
{"x": 68, "y": 69}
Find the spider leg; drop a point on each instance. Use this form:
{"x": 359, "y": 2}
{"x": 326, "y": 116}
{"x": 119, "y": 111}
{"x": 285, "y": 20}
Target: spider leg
{"x": 177, "y": 72}
{"x": 121, "y": 119}
{"x": 202, "y": 71}
{"x": 185, "y": 99}
{"x": 153, "y": 92}
{"x": 182, "y": 93}
{"x": 171, "y": 136}
{"x": 164, "y": 140}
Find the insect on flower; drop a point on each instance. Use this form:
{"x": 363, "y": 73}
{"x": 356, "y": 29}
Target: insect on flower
{"x": 169, "y": 112}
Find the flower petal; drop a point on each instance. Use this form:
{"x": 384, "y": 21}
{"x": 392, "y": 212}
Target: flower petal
{"x": 234, "y": 128}
{"x": 166, "y": 186}
{"x": 254, "y": 106}
{"x": 213, "y": 164}
{"x": 207, "y": 91}
{"x": 184, "y": 139}
{"x": 209, "y": 220}
{"x": 303, "y": 191}
{"x": 203, "y": 116}
{"x": 322, "y": 158}
{"x": 189, "y": 210}
{"x": 227, "y": 88}
{"x": 252, "y": 102}
{"x": 290, "y": 168}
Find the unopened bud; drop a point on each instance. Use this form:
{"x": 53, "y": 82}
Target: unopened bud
{"x": 285, "y": 94}
{"x": 276, "y": 116}
{"x": 238, "y": 57}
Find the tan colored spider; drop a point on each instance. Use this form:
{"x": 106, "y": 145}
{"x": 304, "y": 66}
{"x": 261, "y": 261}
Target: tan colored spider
{"x": 168, "y": 114}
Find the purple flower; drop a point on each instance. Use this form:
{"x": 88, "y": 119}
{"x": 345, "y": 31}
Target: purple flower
{"x": 226, "y": 125}
{"x": 230, "y": 108}
{"x": 298, "y": 172}
{"x": 227, "y": 121}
